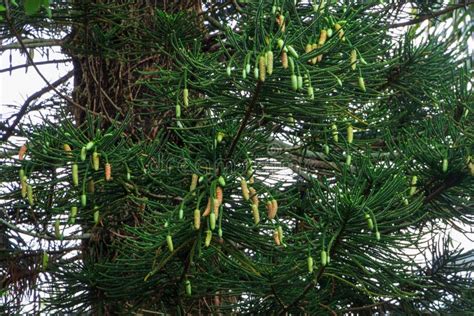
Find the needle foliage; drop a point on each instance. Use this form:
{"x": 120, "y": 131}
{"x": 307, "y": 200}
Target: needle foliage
{"x": 245, "y": 157}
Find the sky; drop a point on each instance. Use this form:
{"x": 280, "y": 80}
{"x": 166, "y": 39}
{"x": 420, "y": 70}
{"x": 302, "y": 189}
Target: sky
{"x": 16, "y": 88}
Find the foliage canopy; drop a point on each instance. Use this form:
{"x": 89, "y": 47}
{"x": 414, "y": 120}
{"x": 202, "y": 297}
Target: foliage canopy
{"x": 250, "y": 157}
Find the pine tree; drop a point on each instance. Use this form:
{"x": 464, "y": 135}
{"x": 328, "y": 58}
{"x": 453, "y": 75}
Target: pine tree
{"x": 246, "y": 157}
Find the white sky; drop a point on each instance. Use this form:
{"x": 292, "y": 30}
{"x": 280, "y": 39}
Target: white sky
{"x": 15, "y": 89}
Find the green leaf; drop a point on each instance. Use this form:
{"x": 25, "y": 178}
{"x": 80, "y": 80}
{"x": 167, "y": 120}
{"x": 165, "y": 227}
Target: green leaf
{"x": 32, "y": 6}
{"x": 14, "y": 3}
{"x": 2, "y": 8}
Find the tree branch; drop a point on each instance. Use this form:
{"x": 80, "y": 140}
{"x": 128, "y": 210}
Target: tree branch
{"x": 248, "y": 112}
{"x": 277, "y": 297}
{"x": 41, "y": 236}
{"x": 46, "y": 62}
{"x": 421, "y": 18}
{"x": 15, "y": 254}
{"x": 308, "y": 287}
{"x": 361, "y": 308}
{"x": 451, "y": 181}
{"x": 26, "y": 104}
{"x": 31, "y": 43}
{"x": 319, "y": 274}
{"x": 215, "y": 23}
{"x": 328, "y": 309}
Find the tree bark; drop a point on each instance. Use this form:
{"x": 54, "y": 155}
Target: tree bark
{"x": 110, "y": 50}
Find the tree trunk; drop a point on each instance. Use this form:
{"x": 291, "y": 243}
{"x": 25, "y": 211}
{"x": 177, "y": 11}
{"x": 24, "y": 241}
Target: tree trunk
{"x": 111, "y": 48}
